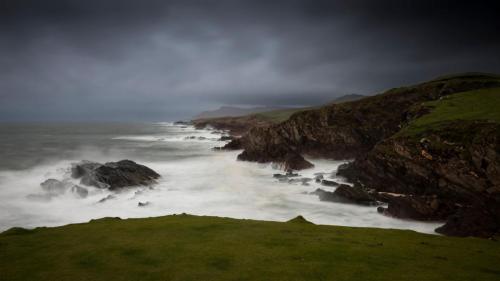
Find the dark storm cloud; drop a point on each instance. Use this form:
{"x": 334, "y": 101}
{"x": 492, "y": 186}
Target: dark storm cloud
{"x": 157, "y": 60}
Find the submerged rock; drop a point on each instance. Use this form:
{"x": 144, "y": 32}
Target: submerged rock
{"x": 114, "y": 175}
{"x": 109, "y": 197}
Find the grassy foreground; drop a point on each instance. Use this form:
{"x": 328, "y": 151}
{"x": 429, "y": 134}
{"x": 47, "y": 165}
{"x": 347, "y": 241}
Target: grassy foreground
{"x": 185, "y": 247}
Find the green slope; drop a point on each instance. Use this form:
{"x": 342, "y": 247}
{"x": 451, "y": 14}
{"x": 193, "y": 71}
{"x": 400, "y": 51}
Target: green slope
{"x": 187, "y": 247}
{"x": 478, "y": 105}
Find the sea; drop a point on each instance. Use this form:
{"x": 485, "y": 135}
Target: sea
{"x": 195, "y": 179}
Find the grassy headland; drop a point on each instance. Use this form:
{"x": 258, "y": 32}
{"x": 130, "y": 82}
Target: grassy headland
{"x": 185, "y": 247}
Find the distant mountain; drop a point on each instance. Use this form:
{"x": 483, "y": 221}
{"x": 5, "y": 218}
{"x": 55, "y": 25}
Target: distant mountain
{"x": 231, "y": 111}
{"x": 349, "y": 97}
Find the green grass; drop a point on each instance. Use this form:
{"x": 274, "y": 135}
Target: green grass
{"x": 278, "y": 116}
{"x": 187, "y": 247}
{"x": 483, "y": 105}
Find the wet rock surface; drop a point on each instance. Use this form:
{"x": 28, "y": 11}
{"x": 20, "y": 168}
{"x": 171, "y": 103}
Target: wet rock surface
{"x": 347, "y": 194}
{"x": 113, "y": 175}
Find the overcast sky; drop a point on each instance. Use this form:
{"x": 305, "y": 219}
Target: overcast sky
{"x": 88, "y": 60}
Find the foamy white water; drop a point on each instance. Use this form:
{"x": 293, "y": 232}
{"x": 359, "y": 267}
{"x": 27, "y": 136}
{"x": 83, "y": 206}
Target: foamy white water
{"x": 194, "y": 180}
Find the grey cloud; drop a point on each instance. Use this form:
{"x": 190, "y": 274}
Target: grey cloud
{"x": 160, "y": 60}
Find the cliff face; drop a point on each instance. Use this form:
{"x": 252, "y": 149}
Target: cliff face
{"x": 457, "y": 166}
{"x": 431, "y": 151}
{"x": 349, "y": 130}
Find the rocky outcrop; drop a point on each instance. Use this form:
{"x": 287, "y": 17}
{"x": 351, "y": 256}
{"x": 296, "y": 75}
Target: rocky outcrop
{"x": 347, "y": 194}
{"x": 441, "y": 173}
{"x": 350, "y": 130}
{"x": 113, "y": 175}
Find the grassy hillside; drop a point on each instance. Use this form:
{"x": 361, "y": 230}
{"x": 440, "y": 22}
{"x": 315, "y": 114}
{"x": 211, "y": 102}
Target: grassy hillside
{"x": 481, "y": 105}
{"x": 278, "y": 116}
{"x": 187, "y": 247}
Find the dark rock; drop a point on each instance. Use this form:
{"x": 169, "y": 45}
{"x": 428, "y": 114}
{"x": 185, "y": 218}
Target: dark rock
{"x": 80, "y": 191}
{"x": 182, "y": 122}
{"x": 355, "y": 194}
{"x": 479, "y": 221}
{"x": 109, "y": 197}
{"x": 346, "y": 194}
{"x": 285, "y": 176}
{"x": 329, "y": 183}
{"x": 54, "y": 187}
{"x": 234, "y": 144}
{"x": 143, "y": 204}
{"x": 226, "y": 138}
{"x": 318, "y": 178}
{"x": 303, "y": 181}
{"x": 114, "y": 175}
{"x": 417, "y": 207}
{"x": 294, "y": 161}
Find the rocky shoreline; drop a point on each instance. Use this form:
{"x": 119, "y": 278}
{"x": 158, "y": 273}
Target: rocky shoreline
{"x": 451, "y": 174}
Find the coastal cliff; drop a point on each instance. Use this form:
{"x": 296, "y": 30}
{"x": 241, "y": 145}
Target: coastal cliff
{"x": 349, "y": 130}
{"x": 431, "y": 151}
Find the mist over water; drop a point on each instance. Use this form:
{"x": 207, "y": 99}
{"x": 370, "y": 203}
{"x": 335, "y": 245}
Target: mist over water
{"x": 194, "y": 179}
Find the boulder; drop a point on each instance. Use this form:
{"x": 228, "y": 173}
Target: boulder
{"x": 114, "y": 175}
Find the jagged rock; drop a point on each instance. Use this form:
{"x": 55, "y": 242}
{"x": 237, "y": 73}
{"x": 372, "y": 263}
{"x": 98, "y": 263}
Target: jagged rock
{"x": 329, "y": 183}
{"x": 416, "y": 207}
{"x": 294, "y": 161}
{"x": 355, "y": 194}
{"x": 234, "y": 144}
{"x": 114, "y": 175}
{"x": 346, "y": 194}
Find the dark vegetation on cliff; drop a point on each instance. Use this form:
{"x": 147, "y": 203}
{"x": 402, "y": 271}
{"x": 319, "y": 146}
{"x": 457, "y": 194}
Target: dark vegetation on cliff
{"x": 185, "y": 247}
{"x": 435, "y": 144}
